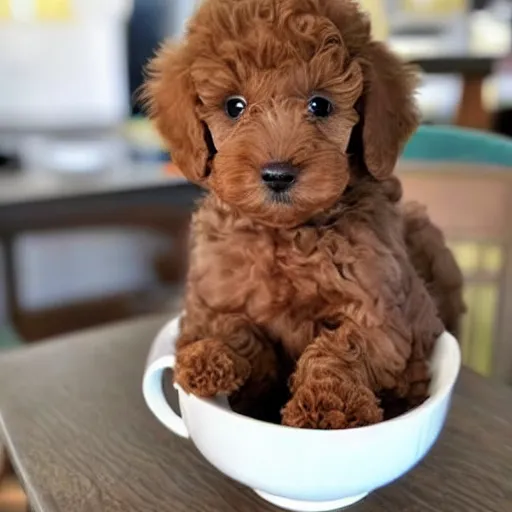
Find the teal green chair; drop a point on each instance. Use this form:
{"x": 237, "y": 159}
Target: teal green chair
{"x": 8, "y": 338}
{"x": 481, "y": 328}
{"x": 458, "y": 145}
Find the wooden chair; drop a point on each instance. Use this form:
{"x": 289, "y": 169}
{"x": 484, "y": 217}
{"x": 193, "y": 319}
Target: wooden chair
{"x": 463, "y": 177}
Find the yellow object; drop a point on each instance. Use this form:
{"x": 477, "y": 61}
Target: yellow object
{"x": 492, "y": 260}
{"x": 465, "y": 336}
{"x": 482, "y": 265}
{"x": 5, "y": 9}
{"x": 484, "y": 314}
{"x": 35, "y": 10}
{"x": 53, "y": 9}
{"x": 377, "y": 11}
{"x": 467, "y": 256}
{"x": 434, "y": 6}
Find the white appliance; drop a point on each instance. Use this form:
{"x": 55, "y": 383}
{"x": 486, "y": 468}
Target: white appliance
{"x": 63, "y": 69}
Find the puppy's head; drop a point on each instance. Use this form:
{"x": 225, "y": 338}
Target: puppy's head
{"x": 260, "y": 102}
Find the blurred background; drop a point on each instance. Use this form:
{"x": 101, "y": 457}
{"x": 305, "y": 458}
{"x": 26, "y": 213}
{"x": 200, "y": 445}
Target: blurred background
{"x": 94, "y": 218}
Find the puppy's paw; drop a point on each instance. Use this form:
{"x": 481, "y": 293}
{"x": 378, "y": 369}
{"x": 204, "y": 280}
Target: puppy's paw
{"x": 328, "y": 408}
{"x": 209, "y": 367}
{"x": 414, "y": 384}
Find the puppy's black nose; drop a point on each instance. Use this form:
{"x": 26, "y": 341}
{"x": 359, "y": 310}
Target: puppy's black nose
{"x": 279, "y": 176}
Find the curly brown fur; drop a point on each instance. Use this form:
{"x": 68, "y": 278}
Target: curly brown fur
{"x": 435, "y": 264}
{"x": 319, "y": 289}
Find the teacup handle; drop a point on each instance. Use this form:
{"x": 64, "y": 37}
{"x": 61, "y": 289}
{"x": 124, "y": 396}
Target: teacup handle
{"x": 161, "y": 358}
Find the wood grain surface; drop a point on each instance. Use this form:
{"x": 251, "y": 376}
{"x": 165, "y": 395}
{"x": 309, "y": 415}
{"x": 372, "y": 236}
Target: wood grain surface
{"x": 82, "y": 440}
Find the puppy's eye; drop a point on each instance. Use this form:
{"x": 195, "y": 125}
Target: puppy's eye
{"x": 235, "y": 106}
{"x": 320, "y": 106}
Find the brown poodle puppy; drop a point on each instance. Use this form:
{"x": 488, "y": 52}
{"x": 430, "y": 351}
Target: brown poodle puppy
{"x": 302, "y": 262}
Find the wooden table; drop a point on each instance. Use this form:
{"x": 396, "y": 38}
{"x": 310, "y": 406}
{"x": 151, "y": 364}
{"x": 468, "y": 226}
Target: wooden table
{"x": 137, "y": 196}
{"x": 474, "y": 69}
{"x": 473, "y": 57}
{"x": 82, "y": 440}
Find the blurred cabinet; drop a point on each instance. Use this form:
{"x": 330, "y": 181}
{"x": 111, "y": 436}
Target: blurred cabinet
{"x": 445, "y": 20}
{"x": 379, "y": 16}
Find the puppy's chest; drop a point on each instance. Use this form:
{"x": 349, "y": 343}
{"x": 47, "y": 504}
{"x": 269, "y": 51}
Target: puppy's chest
{"x": 275, "y": 277}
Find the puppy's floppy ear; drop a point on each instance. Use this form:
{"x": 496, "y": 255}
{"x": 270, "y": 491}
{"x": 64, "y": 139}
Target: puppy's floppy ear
{"x": 171, "y": 98}
{"x": 389, "y": 112}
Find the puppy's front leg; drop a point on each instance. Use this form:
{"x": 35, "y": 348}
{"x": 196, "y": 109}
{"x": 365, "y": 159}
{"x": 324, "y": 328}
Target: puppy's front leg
{"x": 331, "y": 385}
{"x": 221, "y": 353}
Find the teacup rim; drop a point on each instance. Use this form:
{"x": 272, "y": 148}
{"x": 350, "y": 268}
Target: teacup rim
{"x": 219, "y": 403}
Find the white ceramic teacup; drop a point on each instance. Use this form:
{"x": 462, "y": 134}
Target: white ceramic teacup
{"x": 304, "y": 470}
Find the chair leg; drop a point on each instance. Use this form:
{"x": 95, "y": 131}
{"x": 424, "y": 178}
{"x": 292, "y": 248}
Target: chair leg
{"x": 5, "y": 471}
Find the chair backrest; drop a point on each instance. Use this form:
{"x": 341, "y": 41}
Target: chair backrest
{"x": 463, "y": 185}
{"x": 450, "y": 144}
